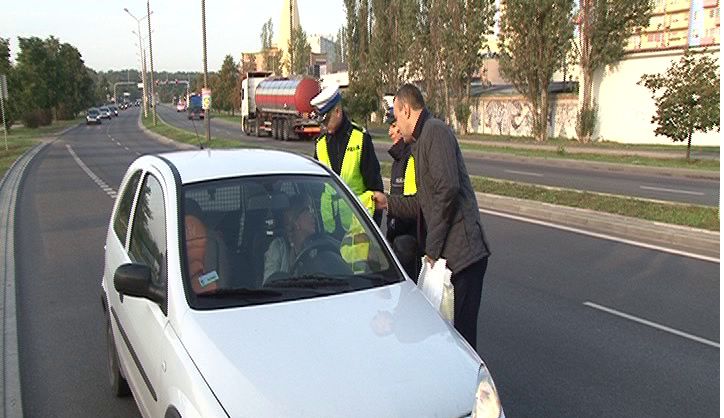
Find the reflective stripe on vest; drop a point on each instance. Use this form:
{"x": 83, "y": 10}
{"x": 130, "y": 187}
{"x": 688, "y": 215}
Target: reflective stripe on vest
{"x": 410, "y": 187}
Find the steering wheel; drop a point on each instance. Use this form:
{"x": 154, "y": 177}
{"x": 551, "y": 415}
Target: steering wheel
{"x": 319, "y": 245}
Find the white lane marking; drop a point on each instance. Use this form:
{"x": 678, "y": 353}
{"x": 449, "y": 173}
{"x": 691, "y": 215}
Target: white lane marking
{"x": 603, "y": 236}
{"x": 652, "y": 324}
{"x": 661, "y": 189}
{"x": 106, "y": 188}
{"x": 524, "y": 173}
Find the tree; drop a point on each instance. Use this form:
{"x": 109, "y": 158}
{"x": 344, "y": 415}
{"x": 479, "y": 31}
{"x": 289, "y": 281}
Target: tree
{"x": 689, "y": 98}
{"x": 464, "y": 34}
{"x": 533, "y": 42}
{"x": 272, "y": 58}
{"x": 267, "y": 34}
{"x": 225, "y": 94}
{"x": 301, "y": 51}
{"x": 605, "y": 28}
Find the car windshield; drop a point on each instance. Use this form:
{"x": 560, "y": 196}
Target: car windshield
{"x": 92, "y": 112}
{"x": 104, "y": 109}
{"x": 267, "y": 239}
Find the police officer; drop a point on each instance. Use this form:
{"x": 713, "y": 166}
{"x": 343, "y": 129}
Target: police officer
{"x": 347, "y": 149}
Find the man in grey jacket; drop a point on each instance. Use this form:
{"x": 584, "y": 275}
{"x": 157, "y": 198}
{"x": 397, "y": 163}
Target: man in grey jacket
{"x": 445, "y": 206}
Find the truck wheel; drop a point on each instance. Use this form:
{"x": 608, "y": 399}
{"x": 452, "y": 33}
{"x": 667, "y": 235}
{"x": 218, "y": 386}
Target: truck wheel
{"x": 275, "y": 128}
{"x": 285, "y": 130}
{"x": 255, "y": 128}
{"x": 245, "y": 126}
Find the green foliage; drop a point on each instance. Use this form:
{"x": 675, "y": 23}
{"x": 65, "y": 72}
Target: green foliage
{"x": 586, "y": 121}
{"x": 267, "y": 34}
{"x": 55, "y": 82}
{"x": 533, "y": 43}
{"x": 301, "y": 51}
{"x": 224, "y": 96}
{"x": 361, "y": 100}
{"x": 686, "y": 97}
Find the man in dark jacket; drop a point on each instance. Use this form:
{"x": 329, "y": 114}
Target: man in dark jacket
{"x": 445, "y": 205}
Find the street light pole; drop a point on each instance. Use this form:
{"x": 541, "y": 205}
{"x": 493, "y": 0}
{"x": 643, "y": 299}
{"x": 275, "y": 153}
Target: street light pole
{"x": 143, "y": 61}
{"x": 150, "y": 56}
{"x": 207, "y": 120}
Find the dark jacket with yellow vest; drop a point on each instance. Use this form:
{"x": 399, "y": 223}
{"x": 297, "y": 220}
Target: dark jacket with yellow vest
{"x": 362, "y": 163}
{"x": 402, "y": 183}
{"x": 445, "y": 197}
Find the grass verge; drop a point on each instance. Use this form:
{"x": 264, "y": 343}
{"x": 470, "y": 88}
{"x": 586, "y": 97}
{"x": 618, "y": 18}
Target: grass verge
{"x": 702, "y": 217}
{"x": 20, "y": 139}
{"x": 192, "y": 138}
{"x": 704, "y": 165}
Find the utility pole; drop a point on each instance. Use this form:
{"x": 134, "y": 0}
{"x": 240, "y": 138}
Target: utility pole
{"x": 207, "y": 120}
{"x": 150, "y": 56}
{"x": 291, "y": 38}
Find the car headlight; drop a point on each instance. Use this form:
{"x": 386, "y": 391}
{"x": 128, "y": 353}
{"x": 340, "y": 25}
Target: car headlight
{"x": 487, "y": 403}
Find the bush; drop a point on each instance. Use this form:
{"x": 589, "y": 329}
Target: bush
{"x": 37, "y": 117}
{"x": 586, "y": 123}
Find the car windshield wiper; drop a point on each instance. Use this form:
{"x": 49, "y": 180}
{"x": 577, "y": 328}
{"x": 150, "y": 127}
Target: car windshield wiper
{"x": 378, "y": 278}
{"x": 241, "y": 292}
{"x": 310, "y": 281}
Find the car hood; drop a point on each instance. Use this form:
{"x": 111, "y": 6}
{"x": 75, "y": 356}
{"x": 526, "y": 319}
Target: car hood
{"x": 382, "y": 352}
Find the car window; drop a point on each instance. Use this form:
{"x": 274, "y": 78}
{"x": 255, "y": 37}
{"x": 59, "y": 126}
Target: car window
{"x": 280, "y": 238}
{"x": 123, "y": 213}
{"x": 148, "y": 236}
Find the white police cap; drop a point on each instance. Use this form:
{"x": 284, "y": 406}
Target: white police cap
{"x": 326, "y": 99}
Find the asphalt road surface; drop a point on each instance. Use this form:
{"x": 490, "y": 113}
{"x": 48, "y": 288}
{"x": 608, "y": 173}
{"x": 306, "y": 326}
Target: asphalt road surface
{"x": 570, "y": 325}
{"x": 667, "y": 188}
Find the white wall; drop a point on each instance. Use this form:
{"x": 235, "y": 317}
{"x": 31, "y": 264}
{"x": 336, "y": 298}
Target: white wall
{"x": 625, "y": 108}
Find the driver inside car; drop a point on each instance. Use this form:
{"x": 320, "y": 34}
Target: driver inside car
{"x": 301, "y": 248}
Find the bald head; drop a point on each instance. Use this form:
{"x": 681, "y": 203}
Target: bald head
{"x": 410, "y": 95}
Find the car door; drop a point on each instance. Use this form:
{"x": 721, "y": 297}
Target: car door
{"x": 143, "y": 320}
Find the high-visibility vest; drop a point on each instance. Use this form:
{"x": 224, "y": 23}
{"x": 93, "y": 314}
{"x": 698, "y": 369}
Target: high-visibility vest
{"x": 355, "y": 243}
{"x": 409, "y": 188}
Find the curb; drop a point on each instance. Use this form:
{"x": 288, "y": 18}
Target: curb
{"x": 12, "y": 405}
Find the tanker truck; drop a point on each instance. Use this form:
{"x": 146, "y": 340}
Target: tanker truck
{"x": 278, "y": 106}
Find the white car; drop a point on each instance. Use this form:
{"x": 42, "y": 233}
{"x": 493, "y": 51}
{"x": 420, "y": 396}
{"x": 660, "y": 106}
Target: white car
{"x": 252, "y": 283}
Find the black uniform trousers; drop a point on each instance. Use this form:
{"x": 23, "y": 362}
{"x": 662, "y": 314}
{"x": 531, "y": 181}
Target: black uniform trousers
{"x": 468, "y": 285}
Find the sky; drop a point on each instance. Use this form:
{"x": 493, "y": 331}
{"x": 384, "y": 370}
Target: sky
{"x": 102, "y": 31}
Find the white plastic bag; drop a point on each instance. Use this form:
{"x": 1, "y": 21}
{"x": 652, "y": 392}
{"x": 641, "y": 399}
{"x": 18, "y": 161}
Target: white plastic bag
{"x": 435, "y": 284}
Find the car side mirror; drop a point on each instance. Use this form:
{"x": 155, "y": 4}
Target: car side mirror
{"x": 136, "y": 280}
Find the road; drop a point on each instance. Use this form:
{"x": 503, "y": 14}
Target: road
{"x": 570, "y": 325}
{"x": 667, "y": 188}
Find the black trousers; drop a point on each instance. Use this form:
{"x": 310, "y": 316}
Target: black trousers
{"x": 468, "y": 285}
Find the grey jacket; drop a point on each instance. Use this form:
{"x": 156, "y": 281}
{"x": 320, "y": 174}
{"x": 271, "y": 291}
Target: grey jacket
{"x": 445, "y": 197}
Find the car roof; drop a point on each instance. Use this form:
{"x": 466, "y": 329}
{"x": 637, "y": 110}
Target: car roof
{"x": 210, "y": 164}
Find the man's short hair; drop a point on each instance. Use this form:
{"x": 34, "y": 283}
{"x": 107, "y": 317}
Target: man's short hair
{"x": 411, "y": 95}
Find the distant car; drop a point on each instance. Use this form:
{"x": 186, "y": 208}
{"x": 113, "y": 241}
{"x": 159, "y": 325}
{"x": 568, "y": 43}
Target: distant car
{"x": 195, "y": 113}
{"x": 211, "y": 311}
{"x": 105, "y": 112}
{"x": 93, "y": 116}
{"x": 113, "y": 109}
